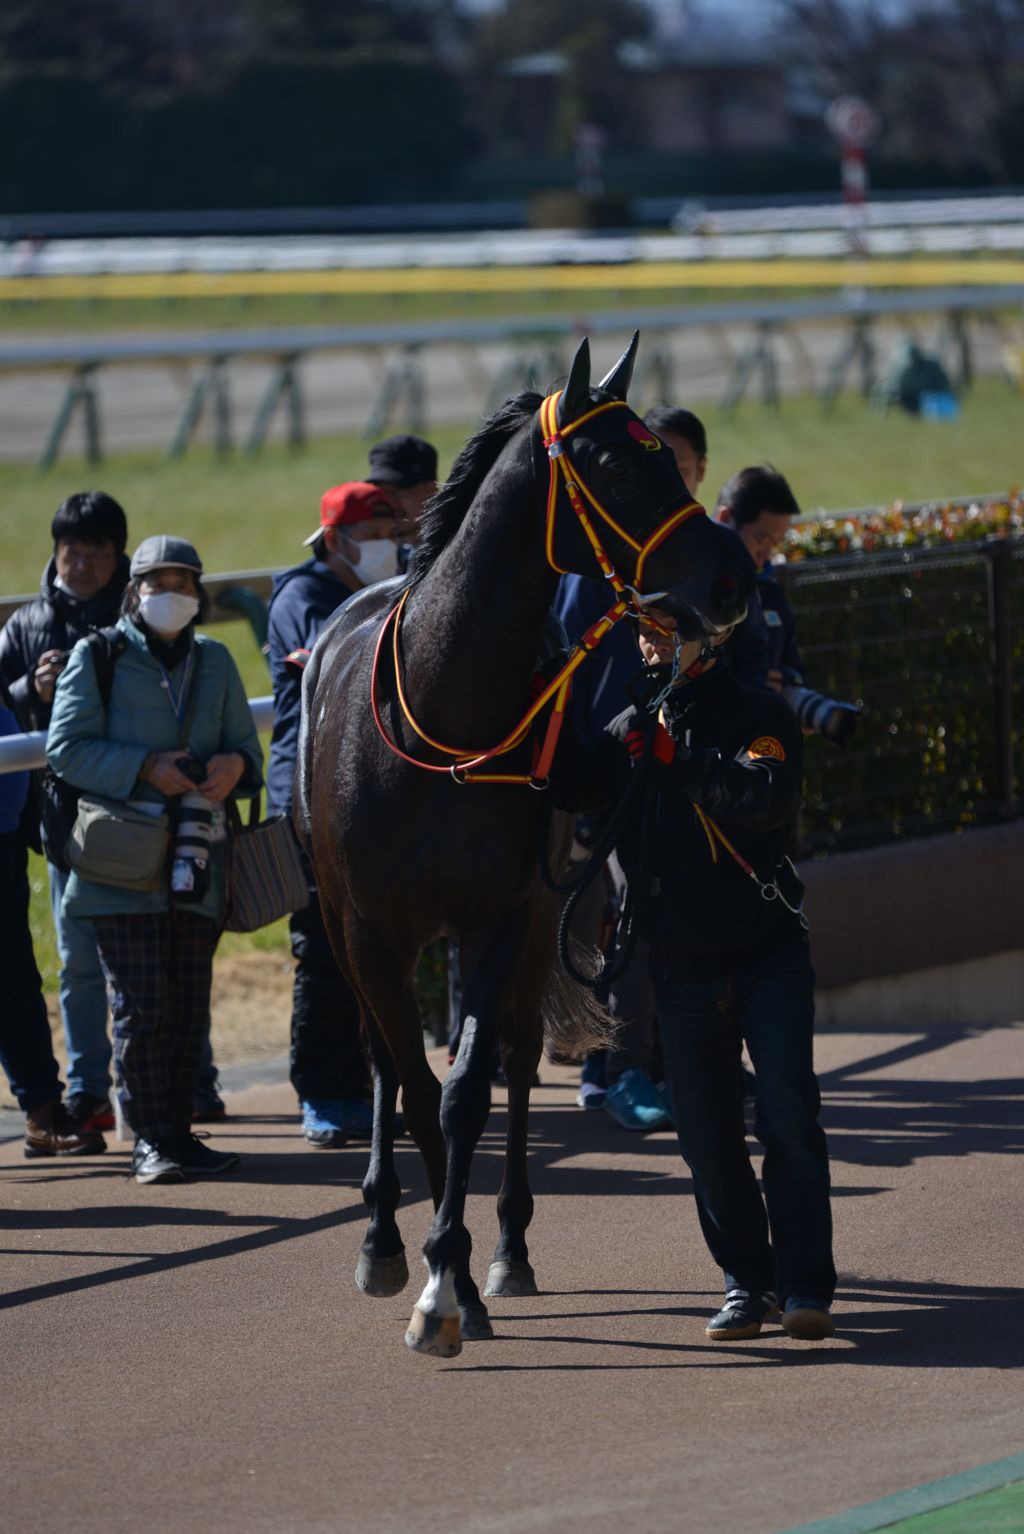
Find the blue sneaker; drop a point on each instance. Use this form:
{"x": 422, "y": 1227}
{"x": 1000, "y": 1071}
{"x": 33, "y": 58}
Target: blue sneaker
{"x": 634, "y": 1103}
{"x": 328, "y": 1123}
{"x": 590, "y": 1095}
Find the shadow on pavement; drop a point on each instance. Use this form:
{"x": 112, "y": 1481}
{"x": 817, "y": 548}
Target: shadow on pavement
{"x": 919, "y": 1326}
{"x": 877, "y": 1120}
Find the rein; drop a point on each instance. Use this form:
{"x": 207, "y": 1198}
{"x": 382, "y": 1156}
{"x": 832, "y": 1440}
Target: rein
{"x": 466, "y": 764}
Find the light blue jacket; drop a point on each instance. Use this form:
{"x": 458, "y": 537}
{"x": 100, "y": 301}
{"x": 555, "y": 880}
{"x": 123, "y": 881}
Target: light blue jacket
{"x": 102, "y": 752}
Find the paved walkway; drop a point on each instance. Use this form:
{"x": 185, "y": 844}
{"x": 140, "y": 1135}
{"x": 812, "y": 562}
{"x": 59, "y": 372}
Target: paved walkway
{"x": 198, "y": 1355}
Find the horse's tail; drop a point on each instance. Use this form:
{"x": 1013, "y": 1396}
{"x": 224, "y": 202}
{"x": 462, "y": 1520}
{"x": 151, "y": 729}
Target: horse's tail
{"x": 575, "y": 1021}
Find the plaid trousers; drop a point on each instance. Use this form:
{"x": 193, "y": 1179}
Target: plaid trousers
{"x": 159, "y": 969}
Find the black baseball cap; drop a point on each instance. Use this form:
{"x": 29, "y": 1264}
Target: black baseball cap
{"x": 402, "y": 461}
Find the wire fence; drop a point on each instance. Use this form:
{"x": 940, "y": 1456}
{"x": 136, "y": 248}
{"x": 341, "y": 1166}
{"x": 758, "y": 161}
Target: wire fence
{"x": 931, "y": 643}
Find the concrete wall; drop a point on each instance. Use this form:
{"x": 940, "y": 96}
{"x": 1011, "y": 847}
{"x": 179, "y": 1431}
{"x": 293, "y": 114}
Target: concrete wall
{"x": 933, "y": 926}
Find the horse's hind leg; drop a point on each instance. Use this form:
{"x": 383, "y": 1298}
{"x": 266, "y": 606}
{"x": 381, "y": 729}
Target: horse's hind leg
{"x": 382, "y": 1270}
{"x": 510, "y": 1272}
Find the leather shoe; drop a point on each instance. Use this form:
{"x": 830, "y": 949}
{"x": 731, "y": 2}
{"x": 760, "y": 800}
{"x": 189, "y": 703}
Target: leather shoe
{"x": 49, "y": 1131}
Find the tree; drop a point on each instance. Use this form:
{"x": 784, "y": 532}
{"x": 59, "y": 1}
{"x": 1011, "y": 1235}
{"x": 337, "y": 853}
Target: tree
{"x": 587, "y": 82}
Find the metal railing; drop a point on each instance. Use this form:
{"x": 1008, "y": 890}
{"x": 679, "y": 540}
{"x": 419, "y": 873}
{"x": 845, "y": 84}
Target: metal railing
{"x": 21, "y": 753}
{"x": 536, "y": 343}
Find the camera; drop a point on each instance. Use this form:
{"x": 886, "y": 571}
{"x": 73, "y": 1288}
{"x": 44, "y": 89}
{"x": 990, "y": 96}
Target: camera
{"x": 195, "y": 771}
{"x": 828, "y": 717}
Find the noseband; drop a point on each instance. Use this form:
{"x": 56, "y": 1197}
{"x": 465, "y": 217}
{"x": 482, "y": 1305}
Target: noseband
{"x": 466, "y": 764}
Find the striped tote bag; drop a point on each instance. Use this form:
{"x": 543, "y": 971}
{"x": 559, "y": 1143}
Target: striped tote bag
{"x": 266, "y": 875}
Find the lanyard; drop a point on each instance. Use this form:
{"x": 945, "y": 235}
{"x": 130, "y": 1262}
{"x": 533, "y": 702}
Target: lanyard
{"x": 177, "y": 700}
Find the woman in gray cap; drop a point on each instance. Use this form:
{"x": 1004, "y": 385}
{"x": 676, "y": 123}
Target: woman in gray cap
{"x": 171, "y": 731}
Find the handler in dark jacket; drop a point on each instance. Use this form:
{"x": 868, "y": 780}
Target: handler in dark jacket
{"x": 720, "y": 906}
{"x": 353, "y": 547}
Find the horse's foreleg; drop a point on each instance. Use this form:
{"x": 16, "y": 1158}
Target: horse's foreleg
{"x": 450, "y": 1306}
{"x": 382, "y": 1269}
{"x": 510, "y": 1272}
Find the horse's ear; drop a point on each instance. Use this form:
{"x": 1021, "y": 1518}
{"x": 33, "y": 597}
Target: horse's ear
{"x": 576, "y": 394}
{"x": 618, "y": 380}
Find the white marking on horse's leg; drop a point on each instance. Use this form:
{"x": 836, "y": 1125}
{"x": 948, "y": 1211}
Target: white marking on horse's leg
{"x": 438, "y": 1298}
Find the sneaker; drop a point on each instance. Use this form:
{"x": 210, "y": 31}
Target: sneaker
{"x": 634, "y": 1103}
{"x": 50, "y": 1131}
{"x": 328, "y": 1123}
{"x": 197, "y": 1159}
{"x": 155, "y": 1163}
{"x": 208, "y": 1106}
{"x": 590, "y": 1095}
{"x": 89, "y": 1112}
{"x": 742, "y": 1315}
{"x": 809, "y": 1320}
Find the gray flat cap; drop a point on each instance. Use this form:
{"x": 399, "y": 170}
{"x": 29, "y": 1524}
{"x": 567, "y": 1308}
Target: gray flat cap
{"x": 162, "y": 552}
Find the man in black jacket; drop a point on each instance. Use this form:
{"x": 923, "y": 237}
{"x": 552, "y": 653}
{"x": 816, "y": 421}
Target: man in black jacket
{"x": 81, "y": 590}
{"x": 353, "y": 547}
{"x": 721, "y": 907}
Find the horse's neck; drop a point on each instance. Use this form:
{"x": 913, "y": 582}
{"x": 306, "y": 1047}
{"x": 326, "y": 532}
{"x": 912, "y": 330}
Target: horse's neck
{"x": 475, "y": 622}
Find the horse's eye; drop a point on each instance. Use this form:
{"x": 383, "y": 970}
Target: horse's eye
{"x": 617, "y": 469}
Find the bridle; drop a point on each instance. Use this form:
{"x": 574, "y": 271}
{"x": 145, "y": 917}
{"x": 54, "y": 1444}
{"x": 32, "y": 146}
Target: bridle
{"x": 466, "y": 764}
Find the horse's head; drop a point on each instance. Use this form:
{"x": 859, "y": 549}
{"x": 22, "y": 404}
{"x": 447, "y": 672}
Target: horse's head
{"x": 611, "y": 471}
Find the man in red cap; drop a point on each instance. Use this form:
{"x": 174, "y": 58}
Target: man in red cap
{"x": 354, "y": 546}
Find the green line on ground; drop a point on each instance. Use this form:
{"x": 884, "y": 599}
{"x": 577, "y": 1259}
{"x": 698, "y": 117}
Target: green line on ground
{"x": 996, "y": 1512}
{"x": 963, "y": 1496}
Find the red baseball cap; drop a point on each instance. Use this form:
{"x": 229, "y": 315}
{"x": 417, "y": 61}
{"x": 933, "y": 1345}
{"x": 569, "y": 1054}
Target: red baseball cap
{"x": 355, "y": 502}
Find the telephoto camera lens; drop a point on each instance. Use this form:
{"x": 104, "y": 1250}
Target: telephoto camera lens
{"x": 834, "y": 721}
{"x": 190, "y": 871}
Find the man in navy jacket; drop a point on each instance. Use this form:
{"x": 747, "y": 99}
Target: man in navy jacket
{"x": 353, "y": 547}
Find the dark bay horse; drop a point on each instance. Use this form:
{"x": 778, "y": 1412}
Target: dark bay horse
{"x": 404, "y": 855}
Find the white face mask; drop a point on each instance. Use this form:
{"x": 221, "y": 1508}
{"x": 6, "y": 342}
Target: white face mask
{"x": 378, "y": 561}
{"x": 168, "y": 612}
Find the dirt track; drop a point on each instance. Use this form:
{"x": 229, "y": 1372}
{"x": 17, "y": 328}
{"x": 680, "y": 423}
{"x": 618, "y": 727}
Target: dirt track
{"x": 141, "y": 404}
{"x": 194, "y": 1356}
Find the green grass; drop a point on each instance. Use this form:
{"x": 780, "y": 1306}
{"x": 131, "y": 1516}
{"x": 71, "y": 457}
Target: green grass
{"x": 254, "y": 512}
{"x": 54, "y": 316}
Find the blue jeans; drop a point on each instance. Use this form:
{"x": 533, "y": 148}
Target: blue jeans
{"x": 83, "y": 996}
{"x": 782, "y": 1241}
{"x": 83, "y": 1002}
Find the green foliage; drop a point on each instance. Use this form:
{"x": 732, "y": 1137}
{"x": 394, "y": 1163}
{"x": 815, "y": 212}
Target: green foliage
{"x": 267, "y": 133}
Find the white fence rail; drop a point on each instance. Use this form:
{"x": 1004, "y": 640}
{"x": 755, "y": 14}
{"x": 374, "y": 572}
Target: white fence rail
{"x": 19, "y": 753}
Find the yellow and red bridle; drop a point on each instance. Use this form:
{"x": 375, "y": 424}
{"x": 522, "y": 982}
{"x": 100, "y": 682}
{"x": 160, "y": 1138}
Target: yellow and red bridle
{"x": 558, "y": 689}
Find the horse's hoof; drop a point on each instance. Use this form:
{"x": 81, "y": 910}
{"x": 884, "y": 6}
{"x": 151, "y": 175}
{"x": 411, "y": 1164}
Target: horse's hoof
{"x": 476, "y": 1323}
{"x": 510, "y": 1278}
{"x": 383, "y": 1277}
{"x": 435, "y": 1335}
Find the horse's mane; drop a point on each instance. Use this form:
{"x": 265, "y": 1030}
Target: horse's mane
{"x": 447, "y": 508}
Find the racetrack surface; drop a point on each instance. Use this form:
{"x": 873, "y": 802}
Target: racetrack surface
{"x": 198, "y": 1355}
{"x": 141, "y": 404}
